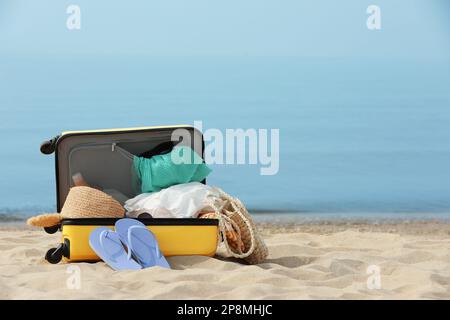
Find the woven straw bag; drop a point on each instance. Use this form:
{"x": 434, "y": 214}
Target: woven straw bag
{"x": 233, "y": 216}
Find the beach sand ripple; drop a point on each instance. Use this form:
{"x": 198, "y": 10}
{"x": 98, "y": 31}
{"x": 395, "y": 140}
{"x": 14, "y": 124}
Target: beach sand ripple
{"x": 313, "y": 265}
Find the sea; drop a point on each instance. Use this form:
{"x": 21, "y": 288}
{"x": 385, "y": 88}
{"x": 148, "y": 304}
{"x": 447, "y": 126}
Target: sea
{"x": 365, "y": 137}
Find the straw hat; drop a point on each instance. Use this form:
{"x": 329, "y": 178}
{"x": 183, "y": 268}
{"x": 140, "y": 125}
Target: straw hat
{"x": 81, "y": 203}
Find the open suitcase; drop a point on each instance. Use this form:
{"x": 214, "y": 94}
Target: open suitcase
{"x": 95, "y": 155}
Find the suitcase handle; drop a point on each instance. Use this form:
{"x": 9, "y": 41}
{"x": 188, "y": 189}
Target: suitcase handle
{"x": 49, "y": 146}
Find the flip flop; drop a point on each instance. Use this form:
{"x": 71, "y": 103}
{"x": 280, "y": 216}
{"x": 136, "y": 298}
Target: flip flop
{"x": 141, "y": 243}
{"x": 107, "y": 245}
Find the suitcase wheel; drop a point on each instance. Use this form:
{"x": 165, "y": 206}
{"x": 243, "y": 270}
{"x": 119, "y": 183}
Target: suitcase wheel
{"x": 54, "y": 255}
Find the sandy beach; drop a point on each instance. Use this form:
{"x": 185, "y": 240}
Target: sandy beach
{"x": 307, "y": 261}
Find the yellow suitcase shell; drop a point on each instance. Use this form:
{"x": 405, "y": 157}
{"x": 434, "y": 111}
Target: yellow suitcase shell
{"x": 176, "y": 237}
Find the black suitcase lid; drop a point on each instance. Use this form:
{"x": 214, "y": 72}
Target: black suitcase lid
{"x": 93, "y": 153}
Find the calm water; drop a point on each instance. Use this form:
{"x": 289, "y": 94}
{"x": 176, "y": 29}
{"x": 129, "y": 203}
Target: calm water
{"x": 356, "y": 136}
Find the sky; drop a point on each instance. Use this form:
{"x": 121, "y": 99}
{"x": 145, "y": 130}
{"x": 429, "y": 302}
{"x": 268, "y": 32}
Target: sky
{"x": 414, "y": 29}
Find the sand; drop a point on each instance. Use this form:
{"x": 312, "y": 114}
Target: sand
{"x": 314, "y": 261}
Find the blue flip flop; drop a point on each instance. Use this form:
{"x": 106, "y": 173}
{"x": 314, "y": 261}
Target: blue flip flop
{"x": 107, "y": 245}
{"x": 141, "y": 242}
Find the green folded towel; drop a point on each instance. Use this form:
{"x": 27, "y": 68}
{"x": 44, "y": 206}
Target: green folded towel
{"x": 160, "y": 171}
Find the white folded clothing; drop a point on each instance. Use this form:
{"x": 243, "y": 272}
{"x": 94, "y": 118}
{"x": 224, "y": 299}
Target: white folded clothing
{"x": 179, "y": 201}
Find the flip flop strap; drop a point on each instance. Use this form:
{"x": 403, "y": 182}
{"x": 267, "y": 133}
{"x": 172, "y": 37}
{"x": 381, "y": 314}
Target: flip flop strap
{"x": 104, "y": 235}
{"x": 130, "y": 245}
